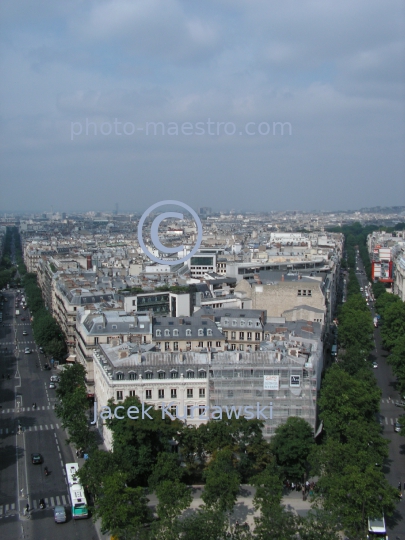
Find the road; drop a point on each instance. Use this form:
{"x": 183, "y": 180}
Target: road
{"x": 394, "y": 466}
{"x": 26, "y": 382}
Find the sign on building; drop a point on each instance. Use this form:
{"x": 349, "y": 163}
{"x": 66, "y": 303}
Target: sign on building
{"x": 271, "y": 382}
{"x": 295, "y": 381}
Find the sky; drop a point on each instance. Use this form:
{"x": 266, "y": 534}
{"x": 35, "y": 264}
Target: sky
{"x": 256, "y": 105}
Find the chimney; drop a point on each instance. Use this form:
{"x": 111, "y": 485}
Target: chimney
{"x": 282, "y": 277}
{"x": 89, "y": 265}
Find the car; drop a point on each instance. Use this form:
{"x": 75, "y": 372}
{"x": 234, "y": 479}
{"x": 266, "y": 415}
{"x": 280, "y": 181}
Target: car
{"x": 375, "y": 365}
{"x": 59, "y": 514}
{"x": 397, "y": 427}
{"x": 27, "y": 350}
{"x": 55, "y": 378}
{"x": 23, "y": 318}
{"x": 41, "y": 350}
{"x": 25, "y": 333}
{"x": 36, "y": 458}
{"x": 47, "y": 366}
{"x": 361, "y": 289}
{"x": 52, "y": 385}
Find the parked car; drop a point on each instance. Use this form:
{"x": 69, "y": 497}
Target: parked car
{"x": 52, "y": 385}
{"x": 375, "y": 365}
{"x": 27, "y": 350}
{"x": 41, "y": 350}
{"x": 55, "y": 378}
{"x": 397, "y": 427}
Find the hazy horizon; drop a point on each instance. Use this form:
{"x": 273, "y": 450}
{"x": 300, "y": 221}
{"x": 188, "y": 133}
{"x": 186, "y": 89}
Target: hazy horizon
{"x": 225, "y": 104}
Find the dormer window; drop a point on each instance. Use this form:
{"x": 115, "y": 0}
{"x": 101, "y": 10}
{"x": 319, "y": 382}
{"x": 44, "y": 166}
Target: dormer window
{"x": 120, "y": 376}
{"x": 242, "y": 323}
{"x": 250, "y": 323}
{"x": 132, "y": 376}
{"x": 190, "y": 374}
{"x": 158, "y": 333}
{"x": 175, "y": 332}
{"x": 209, "y": 332}
{"x": 226, "y": 322}
{"x": 200, "y": 332}
{"x": 234, "y": 323}
{"x": 188, "y": 332}
{"x": 114, "y": 327}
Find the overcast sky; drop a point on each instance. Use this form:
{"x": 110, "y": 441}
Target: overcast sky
{"x": 219, "y": 75}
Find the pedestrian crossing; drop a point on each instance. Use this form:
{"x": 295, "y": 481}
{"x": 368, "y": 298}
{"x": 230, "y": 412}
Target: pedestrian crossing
{"x": 40, "y": 427}
{"x": 28, "y": 409}
{"x": 51, "y": 502}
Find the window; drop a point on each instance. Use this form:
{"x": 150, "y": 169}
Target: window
{"x": 148, "y": 394}
{"x": 114, "y": 327}
{"x": 167, "y": 345}
{"x": 309, "y": 292}
{"x": 161, "y": 393}
{"x": 201, "y": 344}
{"x": 226, "y": 322}
{"x": 257, "y": 336}
{"x": 299, "y": 292}
{"x": 201, "y": 393}
{"x": 119, "y": 395}
{"x": 167, "y": 332}
{"x": 189, "y": 392}
{"x": 230, "y": 393}
{"x": 175, "y": 332}
{"x": 120, "y": 376}
{"x": 233, "y": 323}
{"x": 158, "y": 333}
{"x": 176, "y": 346}
{"x": 242, "y": 322}
{"x": 162, "y": 374}
{"x": 202, "y": 410}
{"x": 202, "y": 374}
{"x": 174, "y": 374}
{"x": 188, "y": 345}
{"x": 250, "y": 323}
{"x": 241, "y": 347}
{"x": 188, "y": 332}
{"x": 226, "y": 334}
{"x": 217, "y": 344}
{"x": 148, "y": 375}
{"x": 304, "y": 292}
{"x": 132, "y": 393}
{"x": 173, "y": 393}
{"x": 190, "y": 374}
{"x": 173, "y": 410}
{"x": 241, "y": 335}
{"x": 132, "y": 375}
{"x": 249, "y": 336}
{"x": 200, "y": 332}
{"x": 257, "y": 323}
{"x": 209, "y": 344}
{"x": 233, "y": 335}
{"x": 189, "y": 410}
{"x": 96, "y": 341}
{"x": 209, "y": 332}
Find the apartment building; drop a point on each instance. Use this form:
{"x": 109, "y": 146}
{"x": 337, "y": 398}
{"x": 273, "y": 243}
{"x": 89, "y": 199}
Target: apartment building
{"x": 94, "y": 328}
{"x": 187, "y": 334}
{"x": 157, "y": 379}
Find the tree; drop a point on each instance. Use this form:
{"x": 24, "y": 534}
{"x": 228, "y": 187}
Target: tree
{"x": 137, "y": 443}
{"x": 95, "y": 469}
{"x": 273, "y": 521}
{"x": 318, "y": 525}
{"x": 354, "y": 360}
{"x": 122, "y": 509}
{"x": 291, "y": 445}
{"x": 206, "y": 523}
{"x": 222, "y": 482}
{"x": 394, "y": 323}
{"x": 344, "y": 399}
{"x": 167, "y": 467}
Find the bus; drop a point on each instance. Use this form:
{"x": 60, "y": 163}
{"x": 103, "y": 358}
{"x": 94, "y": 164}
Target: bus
{"x": 334, "y": 350}
{"x": 376, "y": 529}
{"x": 76, "y": 491}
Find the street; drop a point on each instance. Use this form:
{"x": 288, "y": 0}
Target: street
{"x": 25, "y": 430}
{"x": 394, "y": 466}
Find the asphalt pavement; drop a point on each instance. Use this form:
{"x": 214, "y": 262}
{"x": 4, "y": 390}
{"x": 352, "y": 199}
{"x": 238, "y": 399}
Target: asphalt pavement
{"x": 25, "y": 430}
